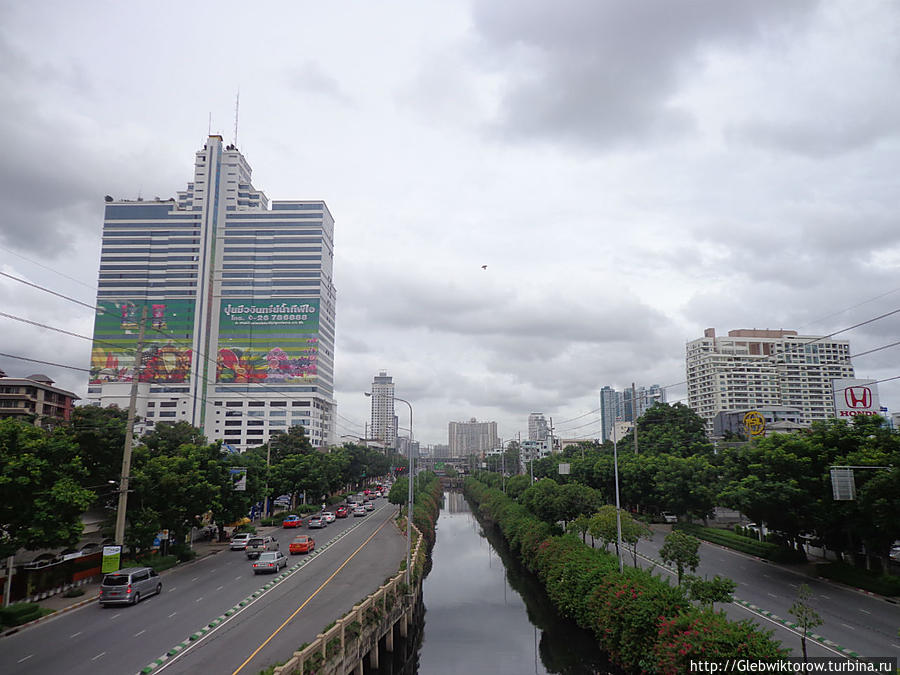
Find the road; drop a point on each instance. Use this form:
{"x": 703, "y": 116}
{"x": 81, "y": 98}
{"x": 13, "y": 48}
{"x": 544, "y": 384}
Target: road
{"x": 865, "y": 624}
{"x": 354, "y": 556}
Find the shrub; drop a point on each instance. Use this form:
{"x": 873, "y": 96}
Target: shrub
{"x": 20, "y": 612}
{"x": 74, "y": 592}
{"x": 883, "y": 584}
{"x": 739, "y": 542}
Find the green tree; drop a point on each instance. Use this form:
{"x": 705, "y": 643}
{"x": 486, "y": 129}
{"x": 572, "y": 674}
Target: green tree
{"x": 100, "y": 436}
{"x": 682, "y": 550}
{"x": 687, "y": 485}
{"x": 602, "y": 525}
{"x": 541, "y": 500}
{"x": 670, "y": 429}
{"x": 573, "y": 499}
{"x": 516, "y": 485}
{"x": 633, "y": 530}
{"x": 41, "y": 493}
{"x": 709, "y": 591}
{"x": 807, "y": 617}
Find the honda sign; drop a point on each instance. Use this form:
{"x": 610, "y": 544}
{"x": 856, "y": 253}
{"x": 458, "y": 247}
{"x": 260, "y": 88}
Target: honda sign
{"x": 854, "y": 397}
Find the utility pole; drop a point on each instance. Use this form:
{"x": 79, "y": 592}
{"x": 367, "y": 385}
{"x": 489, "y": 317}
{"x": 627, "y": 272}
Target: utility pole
{"x": 634, "y": 416}
{"x": 551, "y": 435}
{"x": 129, "y": 433}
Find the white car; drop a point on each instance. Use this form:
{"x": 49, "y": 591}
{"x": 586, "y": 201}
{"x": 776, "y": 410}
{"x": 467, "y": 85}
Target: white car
{"x": 359, "y": 511}
{"x": 239, "y": 541}
{"x": 328, "y": 516}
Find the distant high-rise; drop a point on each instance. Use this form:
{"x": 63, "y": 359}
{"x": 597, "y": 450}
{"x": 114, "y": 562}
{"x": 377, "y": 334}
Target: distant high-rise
{"x": 765, "y": 368}
{"x": 239, "y": 302}
{"x": 618, "y": 405}
{"x": 472, "y": 438}
{"x": 538, "y": 429}
{"x": 384, "y": 421}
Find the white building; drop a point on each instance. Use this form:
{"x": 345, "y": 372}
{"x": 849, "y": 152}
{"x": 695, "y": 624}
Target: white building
{"x": 239, "y": 302}
{"x": 538, "y": 429}
{"x": 384, "y": 421}
{"x": 765, "y": 368}
{"x": 472, "y": 438}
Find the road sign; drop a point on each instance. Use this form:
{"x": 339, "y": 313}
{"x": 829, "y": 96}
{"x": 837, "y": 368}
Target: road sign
{"x": 843, "y": 485}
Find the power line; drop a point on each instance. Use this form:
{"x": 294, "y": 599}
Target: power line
{"x": 47, "y": 290}
{"x": 857, "y": 325}
{"x": 45, "y": 363}
{"x": 34, "y": 262}
{"x": 877, "y": 349}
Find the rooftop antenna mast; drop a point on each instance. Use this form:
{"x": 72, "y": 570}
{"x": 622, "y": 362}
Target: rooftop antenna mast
{"x": 237, "y": 105}
{"x": 209, "y": 126}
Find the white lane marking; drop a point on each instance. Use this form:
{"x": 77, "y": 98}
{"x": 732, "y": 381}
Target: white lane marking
{"x": 172, "y": 589}
{"x": 826, "y": 597}
{"x": 895, "y": 646}
{"x": 771, "y": 595}
{"x": 172, "y": 614}
{"x": 213, "y": 569}
{"x": 104, "y": 653}
{"x": 25, "y": 659}
{"x": 74, "y": 635}
{"x": 197, "y": 578}
{"x": 116, "y": 616}
{"x": 140, "y": 632}
{"x": 201, "y": 597}
{"x": 843, "y": 624}
{"x": 220, "y": 588}
{"x": 238, "y": 578}
{"x": 864, "y": 611}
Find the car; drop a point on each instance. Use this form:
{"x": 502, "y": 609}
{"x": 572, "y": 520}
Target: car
{"x": 328, "y": 516}
{"x": 260, "y": 544}
{"x": 239, "y": 541}
{"x": 292, "y": 521}
{"x": 302, "y": 543}
{"x": 359, "y": 511}
{"x": 316, "y": 522}
{"x": 895, "y": 553}
{"x": 270, "y": 561}
{"x": 667, "y": 516}
{"x": 129, "y": 585}
{"x": 341, "y": 512}
{"x": 369, "y": 506}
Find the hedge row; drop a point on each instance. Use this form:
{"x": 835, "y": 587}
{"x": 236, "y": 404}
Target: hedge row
{"x": 738, "y": 542}
{"x": 20, "y": 612}
{"x": 883, "y": 584}
{"x": 640, "y": 620}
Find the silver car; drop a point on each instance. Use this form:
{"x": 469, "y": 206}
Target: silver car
{"x": 271, "y": 561}
{"x": 129, "y": 585}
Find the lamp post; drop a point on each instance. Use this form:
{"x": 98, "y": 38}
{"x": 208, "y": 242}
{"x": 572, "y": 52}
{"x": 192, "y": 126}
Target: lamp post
{"x": 618, "y": 514}
{"x": 409, "y": 507}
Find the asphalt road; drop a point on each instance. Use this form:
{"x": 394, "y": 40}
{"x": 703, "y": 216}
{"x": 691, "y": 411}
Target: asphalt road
{"x": 865, "y": 624}
{"x": 122, "y": 640}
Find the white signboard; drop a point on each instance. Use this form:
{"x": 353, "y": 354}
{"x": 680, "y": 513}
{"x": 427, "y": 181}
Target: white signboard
{"x": 854, "y": 397}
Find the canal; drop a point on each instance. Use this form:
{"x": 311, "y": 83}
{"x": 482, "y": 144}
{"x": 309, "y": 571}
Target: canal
{"x": 484, "y": 613}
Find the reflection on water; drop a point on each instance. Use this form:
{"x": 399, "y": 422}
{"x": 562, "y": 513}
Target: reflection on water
{"x": 486, "y": 614}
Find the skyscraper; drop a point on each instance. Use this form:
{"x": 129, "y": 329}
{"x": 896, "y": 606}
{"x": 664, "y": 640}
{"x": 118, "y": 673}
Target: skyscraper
{"x": 764, "y": 368}
{"x": 239, "y": 303}
{"x": 618, "y": 405}
{"x": 538, "y": 429}
{"x": 472, "y": 437}
{"x": 384, "y": 421}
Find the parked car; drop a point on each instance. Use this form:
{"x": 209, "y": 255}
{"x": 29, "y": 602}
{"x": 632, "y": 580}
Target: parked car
{"x": 369, "y": 506}
{"x": 292, "y": 521}
{"x": 328, "y": 516}
{"x": 316, "y": 522}
{"x": 259, "y": 545}
{"x": 359, "y": 511}
{"x": 668, "y": 517}
{"x": 239, "y": 541}
{"x": 341, "y": 512}
{"x": 129, "y": 585}
{"x": 271, "y": 561}
{"x": 302, "y": 543}
{"x": 895, "y": 553}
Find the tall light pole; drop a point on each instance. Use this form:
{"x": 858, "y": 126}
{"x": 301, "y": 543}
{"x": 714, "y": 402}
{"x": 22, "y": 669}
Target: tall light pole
{"x": 618, "y": 514}
{"x": 409, "y": 478}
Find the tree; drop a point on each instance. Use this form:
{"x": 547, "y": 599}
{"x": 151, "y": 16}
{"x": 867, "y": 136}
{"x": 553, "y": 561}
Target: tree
{"x": 516, "y": 485}
{"x": 573, "y": 499}
{"x": 687, "y": 485}
{"x": 682, "y": 550}
{"x": 100, "y": 436}
{"x": 670, "y": 429}
{"x": 41, "y": 495}
{"x": 709, "y": 591}
{"x": 603, "y": 526}
{"x": 807, "y": 617}
{"x": 541, "y": 500}
{"x": 633, "y": 530}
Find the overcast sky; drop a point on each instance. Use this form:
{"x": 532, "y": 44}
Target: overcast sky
{"x": 630, "y": 173}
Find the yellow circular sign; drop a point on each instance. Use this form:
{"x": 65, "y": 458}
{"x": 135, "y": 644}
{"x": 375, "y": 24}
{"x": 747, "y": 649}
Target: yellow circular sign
{"x": 754, "y": 423}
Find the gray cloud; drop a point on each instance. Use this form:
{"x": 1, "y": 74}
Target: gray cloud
{"x": 309, "y": 77}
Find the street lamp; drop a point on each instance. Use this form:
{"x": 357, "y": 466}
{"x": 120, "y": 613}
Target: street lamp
{"x": 409, "y": 478}
{"x": 618, "y": 514}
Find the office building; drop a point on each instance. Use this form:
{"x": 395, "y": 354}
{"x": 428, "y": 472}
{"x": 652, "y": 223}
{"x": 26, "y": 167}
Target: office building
{"x": 765, "y": 369}
{"x": 618, "y": 406}
{"x": 472, "y": 438}
{"x": 538, "y": 429}
{"x": 235, "y": 300}
{"x": 35, "y": 399}
{"x": 384, "y": 421}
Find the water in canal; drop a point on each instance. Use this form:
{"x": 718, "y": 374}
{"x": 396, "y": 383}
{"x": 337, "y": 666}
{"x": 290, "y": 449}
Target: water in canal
{"x": 484, "y": 613}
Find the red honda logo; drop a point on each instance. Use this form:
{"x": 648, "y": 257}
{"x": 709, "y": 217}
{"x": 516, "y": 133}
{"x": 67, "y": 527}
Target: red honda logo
{"x": 858, "y": 397}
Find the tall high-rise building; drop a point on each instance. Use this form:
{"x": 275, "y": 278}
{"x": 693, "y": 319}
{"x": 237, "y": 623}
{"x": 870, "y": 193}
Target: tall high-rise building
{"x": 538, "y": 429}
{"x": 765, "y": 368}
{"x": 618, "y": 405}
{"x": 384, "y": 421}
{"x": 472, "y": 437}
{"x": 239, "y": 303}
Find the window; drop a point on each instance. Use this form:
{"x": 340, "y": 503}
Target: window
{"x": 234, "y": 404}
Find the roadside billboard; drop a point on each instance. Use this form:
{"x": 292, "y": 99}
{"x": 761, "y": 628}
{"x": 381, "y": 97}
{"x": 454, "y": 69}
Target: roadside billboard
{"x": 167, "y": 341}
{"x": 854, "y": 397}
{"x": 266, "y": 341}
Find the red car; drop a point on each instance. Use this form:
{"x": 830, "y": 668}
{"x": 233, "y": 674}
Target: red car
{"x": 341, "y": 512}
{"x": 302, "y": 544}
{"x": 292, "y": 521}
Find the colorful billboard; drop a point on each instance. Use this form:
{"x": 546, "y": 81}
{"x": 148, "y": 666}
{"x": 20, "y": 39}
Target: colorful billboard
{"x": 266, "y": 341}
{"x": 167, "y": 341}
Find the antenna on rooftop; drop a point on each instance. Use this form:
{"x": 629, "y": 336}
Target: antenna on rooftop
{"x": 209, "y": 126}
{"x": 237, "y": 105}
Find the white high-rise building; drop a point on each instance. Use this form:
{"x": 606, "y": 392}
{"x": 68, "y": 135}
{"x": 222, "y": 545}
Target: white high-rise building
{"x": 384, "y": 421}
{"x": 239, "y": 301}
{"x": 472, "y": 437}
{"x": 765, "y": 368}
{"x": 538, "y": 429}
{"x": 617, "y": 406}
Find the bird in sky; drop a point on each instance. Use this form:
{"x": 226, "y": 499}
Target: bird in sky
{"x": 484, "y": 267}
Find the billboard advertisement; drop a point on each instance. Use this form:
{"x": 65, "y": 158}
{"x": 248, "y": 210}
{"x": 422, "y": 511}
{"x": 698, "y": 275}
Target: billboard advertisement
{"x": 268, "y": 341}
{"x": 167, "y": 341}
{"x": 854, "y": 397}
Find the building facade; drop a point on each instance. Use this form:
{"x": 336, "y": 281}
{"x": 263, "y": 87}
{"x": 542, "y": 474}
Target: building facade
{"x": 538, "y": 429}
{"x": 35, "y": 399}
{"x": 472, "y": 438}
{"x": 384, "y": 421}
{"x": 234, "y": 299}
{"x": 619, "y": 406}
{"x": 752, "y": 369}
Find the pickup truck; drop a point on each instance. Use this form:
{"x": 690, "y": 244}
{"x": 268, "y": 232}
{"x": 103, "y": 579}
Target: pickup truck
{"x": 260, "y": 544}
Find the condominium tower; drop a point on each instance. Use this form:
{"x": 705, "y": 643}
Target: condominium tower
{"x": 764, "y": 368}
{"x": 234, "y": 299}
{"x": 538, "y": 429}
{"x": 626, "y": 405}
{"x": 384, "y": 421}
{"x": 472, "y": 437}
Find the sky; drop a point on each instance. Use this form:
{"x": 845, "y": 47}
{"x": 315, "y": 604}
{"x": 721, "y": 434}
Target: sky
{"x": 630, "y": 173}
